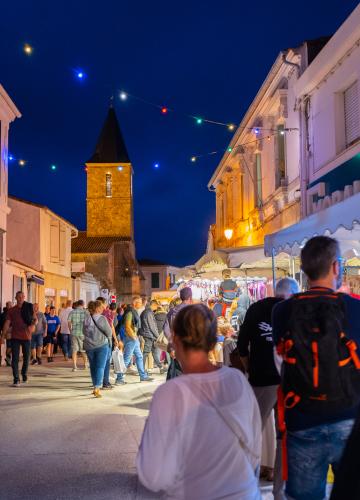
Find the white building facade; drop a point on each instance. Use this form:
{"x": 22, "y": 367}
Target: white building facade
{"x": 158, "y": 276}
{"x": 328, "y": 98}
{"x": 8, "y": 113}
{"x": 328, "y": 93}
{"x": 39, "y": 251}
{"x": 257, "y": 183}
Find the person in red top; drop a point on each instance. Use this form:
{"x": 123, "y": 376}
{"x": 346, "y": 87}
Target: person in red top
{"x": 20, "y": 336}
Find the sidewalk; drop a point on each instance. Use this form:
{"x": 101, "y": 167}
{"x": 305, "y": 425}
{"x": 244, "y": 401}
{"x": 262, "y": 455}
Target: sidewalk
{"x": 59, "y": 442}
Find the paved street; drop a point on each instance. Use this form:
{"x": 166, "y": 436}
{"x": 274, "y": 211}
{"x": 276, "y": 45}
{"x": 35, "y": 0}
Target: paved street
{"x": 58, "y": 442}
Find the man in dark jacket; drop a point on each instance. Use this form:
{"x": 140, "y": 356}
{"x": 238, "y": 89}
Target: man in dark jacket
{"x": 149, "y": 332}
{"x": 186, "y": 299}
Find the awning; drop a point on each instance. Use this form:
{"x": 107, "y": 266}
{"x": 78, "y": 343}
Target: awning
{"x": 341, "y": 221}
{"x": 245, "y": 255}
{"x": 212, "y": 261}
{"x": 36, "y": 279}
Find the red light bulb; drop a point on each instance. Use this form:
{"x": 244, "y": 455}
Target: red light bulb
{"x": 164, "y": 110}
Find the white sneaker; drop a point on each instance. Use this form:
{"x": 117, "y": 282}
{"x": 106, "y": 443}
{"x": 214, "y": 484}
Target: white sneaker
{"x": 74, "y": 369}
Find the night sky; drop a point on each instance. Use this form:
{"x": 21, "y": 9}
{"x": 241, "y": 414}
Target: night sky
{"x": 205, "y": 58}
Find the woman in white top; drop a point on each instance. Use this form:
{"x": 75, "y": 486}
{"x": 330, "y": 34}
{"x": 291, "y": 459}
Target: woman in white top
{"x": 202, "y": 440}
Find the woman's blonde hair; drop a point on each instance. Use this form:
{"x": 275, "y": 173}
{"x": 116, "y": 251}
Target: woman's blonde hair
{"x": 93, "y": 305}
{"x": 195, "y": 326}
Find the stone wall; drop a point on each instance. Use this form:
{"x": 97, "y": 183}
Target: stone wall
{"x": 109, "y": 215}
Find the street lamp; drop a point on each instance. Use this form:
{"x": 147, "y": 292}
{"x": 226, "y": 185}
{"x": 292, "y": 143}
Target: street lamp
{"x": 228, "y": 234}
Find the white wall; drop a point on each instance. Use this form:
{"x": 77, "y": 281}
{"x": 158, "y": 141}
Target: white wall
{"x": 163, "y": 271}
{"x": 23, "y": 235}
{"x": 60, "y": 264}
{"x": 322, "y": 85}
{"x": 8, "y": 113}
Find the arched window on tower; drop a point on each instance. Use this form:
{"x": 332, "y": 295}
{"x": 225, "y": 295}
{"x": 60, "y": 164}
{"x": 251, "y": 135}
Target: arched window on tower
{"x": 108, "y": 186}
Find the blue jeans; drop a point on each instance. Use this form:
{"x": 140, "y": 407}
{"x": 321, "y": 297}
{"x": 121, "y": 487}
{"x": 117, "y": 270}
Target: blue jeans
{"x": 106, "y": 380}
{"x": 132, "y": 348}
{"x": 310, "y": 452}
{"x": 97, "y": 360}
{"x": 66, "y": 344}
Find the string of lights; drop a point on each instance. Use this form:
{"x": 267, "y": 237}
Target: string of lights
{"x": 238, "y": 147}
{"x": 123, "y": 95}
{"x": 199, "y": 120}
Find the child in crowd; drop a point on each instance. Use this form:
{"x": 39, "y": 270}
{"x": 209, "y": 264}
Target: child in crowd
{"x": 229, "y": 343}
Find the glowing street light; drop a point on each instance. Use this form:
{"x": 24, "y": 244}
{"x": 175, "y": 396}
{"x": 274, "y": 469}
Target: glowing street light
{"x": 28, "y": 49}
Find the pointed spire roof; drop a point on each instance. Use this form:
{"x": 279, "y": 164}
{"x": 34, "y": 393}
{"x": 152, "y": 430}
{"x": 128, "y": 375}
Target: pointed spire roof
{"x": 110, "y": 147}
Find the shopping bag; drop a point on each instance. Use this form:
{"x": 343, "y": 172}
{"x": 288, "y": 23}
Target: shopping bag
{"x": 118, "y": 361}
{"x": 162, "y": 342}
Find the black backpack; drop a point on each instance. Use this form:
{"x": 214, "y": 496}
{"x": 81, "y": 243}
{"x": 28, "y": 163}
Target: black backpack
{"x": 27, "y": 313}
{"x": 321, "y": 369}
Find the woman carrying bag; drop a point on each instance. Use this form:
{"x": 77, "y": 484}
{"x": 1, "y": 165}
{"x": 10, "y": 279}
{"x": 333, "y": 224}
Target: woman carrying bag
{"x": 97, "y": 339}
{"x": 202, "y": 440}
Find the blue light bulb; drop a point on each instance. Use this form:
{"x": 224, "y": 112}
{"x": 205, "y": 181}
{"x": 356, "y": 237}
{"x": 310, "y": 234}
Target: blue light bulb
{"x": 156, "y": 165}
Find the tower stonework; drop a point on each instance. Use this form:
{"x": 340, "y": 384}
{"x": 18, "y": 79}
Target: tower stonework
{"x": 109, "y": 203}
{"x": 107, "y": 247}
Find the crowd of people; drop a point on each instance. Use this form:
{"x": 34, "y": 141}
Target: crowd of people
{"x": 290, "y": 359}
{"x": 93, "y": 333}
{"x": 297, "y": 356}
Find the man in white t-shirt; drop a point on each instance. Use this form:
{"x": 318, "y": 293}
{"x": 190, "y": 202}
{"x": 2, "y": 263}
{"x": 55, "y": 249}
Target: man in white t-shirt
{"x": 64, "y": 329}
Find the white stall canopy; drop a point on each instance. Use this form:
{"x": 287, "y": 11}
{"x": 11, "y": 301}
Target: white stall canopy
{"x": 340, "y": 221}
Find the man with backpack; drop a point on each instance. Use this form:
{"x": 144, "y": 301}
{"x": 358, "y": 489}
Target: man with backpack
{"x": 131, "y": 322}
{"x": 317, "y": 334}
{"x": 22, "y": 321}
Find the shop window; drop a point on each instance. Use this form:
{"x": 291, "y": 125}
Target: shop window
{"x": 258, "y": 181}
{"x": 280, "y": 173}
{"x": 108, "y": 185}
{"x": 155, "y": 280}
{"x": 351, "y": 114}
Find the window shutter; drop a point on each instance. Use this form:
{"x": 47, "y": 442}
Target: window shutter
{"x": 54, "y": 241}
{"x": 62, "y": 244}
{"x": 351, "y": 110}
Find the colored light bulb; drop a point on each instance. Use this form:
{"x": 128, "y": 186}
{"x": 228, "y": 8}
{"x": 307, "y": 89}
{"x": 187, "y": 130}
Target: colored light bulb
{"x": 120, "y": 169}
{"x": 231, "y": 126}
{"x": 53, "y": 167}
{"x": 28, "y": 49}
{"x": 229, "y": 149}
{"x": 22, "y": 163}
{"x": 123, "y": 96}
{"x": 164, "y": 110}
{"x": 193, "y": 159}
{"x": 11, "y": 158}
{"x": 156, "y": 165}
{"x": 199, "y": 121}
{"x": 256, "y": 131}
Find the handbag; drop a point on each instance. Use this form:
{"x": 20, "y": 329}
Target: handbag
{"x": 118, "y": 361}
{"x": 162, "y": 342}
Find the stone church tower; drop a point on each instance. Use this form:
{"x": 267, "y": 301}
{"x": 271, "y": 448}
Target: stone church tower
{"x": 107, "y": 247}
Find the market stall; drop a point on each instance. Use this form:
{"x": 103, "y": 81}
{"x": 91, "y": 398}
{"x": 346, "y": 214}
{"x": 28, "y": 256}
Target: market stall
{"x": 340, "y": 221}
